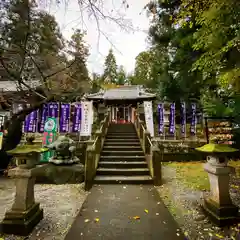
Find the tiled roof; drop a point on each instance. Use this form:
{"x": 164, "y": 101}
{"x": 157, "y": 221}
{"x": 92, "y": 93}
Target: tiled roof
{"x": 123, "y": 92}
{"x": 11, "y": 86}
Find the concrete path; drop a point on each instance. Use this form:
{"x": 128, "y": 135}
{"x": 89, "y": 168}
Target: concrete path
{"x": 109, "y": 211}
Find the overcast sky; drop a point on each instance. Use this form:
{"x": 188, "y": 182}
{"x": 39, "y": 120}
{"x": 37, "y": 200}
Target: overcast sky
{"x": 126, "y": 45}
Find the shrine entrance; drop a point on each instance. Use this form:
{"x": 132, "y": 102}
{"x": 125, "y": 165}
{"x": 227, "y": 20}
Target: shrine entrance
{"x": 122, "y": 114}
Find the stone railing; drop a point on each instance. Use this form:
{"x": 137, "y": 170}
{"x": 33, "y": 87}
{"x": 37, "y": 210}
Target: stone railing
{"x": 151, "y": 150}
{"x": 94, "y": 147}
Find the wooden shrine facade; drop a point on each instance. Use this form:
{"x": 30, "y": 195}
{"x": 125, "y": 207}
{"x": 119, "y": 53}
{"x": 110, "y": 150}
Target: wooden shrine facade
{"x": 122, "y": 101}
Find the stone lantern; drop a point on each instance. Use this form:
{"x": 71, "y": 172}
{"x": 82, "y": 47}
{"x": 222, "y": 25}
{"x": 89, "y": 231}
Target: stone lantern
{"x": 218, "y": 206}
{"x": 25, "y": 213}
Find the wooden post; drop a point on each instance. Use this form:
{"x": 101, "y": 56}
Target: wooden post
{"x": 157, "y": 166}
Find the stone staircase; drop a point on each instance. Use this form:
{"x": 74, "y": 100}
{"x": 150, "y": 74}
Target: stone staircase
{"x": 122, "y": 158}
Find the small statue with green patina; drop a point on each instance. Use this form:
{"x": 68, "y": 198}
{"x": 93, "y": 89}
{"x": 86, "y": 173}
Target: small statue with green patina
{"x": 65, "y": 151}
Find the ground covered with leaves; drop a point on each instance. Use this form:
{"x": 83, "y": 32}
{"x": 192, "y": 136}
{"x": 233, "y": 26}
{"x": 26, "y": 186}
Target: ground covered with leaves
{"x": 184, "y": 186}
{"x": 60, "y": 203}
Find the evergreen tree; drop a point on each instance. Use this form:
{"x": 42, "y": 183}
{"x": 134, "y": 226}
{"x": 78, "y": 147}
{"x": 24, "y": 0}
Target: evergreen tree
{"x": 110, "y": 70}
{"x": 121, "y": 76}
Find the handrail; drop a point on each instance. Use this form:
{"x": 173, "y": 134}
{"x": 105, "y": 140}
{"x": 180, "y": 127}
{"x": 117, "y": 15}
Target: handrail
{"x": 149, "y": 140}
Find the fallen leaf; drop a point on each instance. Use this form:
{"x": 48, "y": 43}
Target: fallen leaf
{"x": 96, "y": 219}
{"x": 145, "y": 210}
{"x": 136, "y": 217}
{"x": 178, "y": 234}
{"x": 217, "y": 235}
{"x": 157, "y": 214}
{"x": 158, "y": 203}
{"x": 86, "y": 220}
{"x": 124, "y": 187}
{"x": 95, "y": 210}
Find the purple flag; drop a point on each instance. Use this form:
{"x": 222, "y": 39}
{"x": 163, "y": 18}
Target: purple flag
{"x": 44, "y": 115}
{"x": 30, "y": 124}
{"x": 64, "y": 117}
{"x": 183, "y": 118}
{"x": 193, "y": 119}
{"x": 77, "y": 117}
{"x": 161, "y": 118}
{"x": 53, "y": 109}
{"x": 172, "y": 119}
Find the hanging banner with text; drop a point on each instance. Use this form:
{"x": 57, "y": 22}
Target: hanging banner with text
{"x": 1, "y": 140}
{"x": 44, "y": 116}
{"x": 161, "y": 118}
{"x": 64, "y": 117}
{"x": 53, "y": 109}
{"x": 76, "y": 117}
{"x": 193, "y": 119}
{"x": 183, "y": 118}
{"x": 49, "y": 135}
{"x": 172, "y": 119}
{"x": 30, "y": 124}
{"x": 87, "y": 115}
{"x": 149, "y": 117}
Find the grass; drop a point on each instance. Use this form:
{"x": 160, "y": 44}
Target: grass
{"x": 191, "y": 174}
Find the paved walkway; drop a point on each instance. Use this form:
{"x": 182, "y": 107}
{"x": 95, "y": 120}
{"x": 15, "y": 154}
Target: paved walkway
{"x": 109, "y": 211}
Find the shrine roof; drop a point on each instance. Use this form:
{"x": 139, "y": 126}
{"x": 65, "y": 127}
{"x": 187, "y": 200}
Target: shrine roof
{"x": 122, "y": 92}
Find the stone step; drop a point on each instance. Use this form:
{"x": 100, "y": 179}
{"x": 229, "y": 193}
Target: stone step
{"x": 122, "y": 153}
{"x": 121, "y": 132}
{"x": 122, "y": 136}
{"x": 123, "y": 180}
{"x": 122, "y": 148}
{"x": 122, "y": 171}
{"x": 122, "y": 158}
{"x": 122, "y": 164}
{"x": 123, "y": 143}
{"x": 122, "y": 140}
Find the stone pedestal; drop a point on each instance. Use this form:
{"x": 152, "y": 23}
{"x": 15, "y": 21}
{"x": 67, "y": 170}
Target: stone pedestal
{"x": 218, "y": 206}
{"x": 25, "y": 213}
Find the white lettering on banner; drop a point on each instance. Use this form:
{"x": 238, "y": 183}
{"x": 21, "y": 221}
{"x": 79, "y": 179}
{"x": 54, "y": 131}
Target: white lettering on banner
{"x": 86, "y": 124}
{"x": 149, "y": 117}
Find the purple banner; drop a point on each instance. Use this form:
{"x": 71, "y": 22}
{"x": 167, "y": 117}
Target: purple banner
{"x": 30, "y": 124}
{"x": 77, "y": 118}
{"x": 64, "y": 117}
{"x": 193, "y": 119}
{"x": 53, "y": 110}
{"x": 172, "y": 119}
{"x": 44, "y": 115}
{"x": 161, "y": 118}
{"x": 183, "y": 118}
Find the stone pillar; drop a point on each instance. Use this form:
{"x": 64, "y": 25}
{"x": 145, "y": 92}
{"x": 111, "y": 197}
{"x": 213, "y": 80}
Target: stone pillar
{"x": 102, "y": 109}
{"x": 218, "y": 206}
{"x": 89, "y": 167}
{"x": 157, "y": 166}
{"x": 25, "y": 213}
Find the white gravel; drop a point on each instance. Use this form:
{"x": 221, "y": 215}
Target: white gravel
{"x": 60, "y": 204}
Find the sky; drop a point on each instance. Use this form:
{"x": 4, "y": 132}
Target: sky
{"x": 126, "y": 45}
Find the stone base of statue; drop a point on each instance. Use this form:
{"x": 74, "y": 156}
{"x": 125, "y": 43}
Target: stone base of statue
{"x": 219, "y": 206}
{"x": 25, "y": 214}
{"x": 64, "y": 160}
{"x": 61, "y": 174}
{"x": 220, "y": 215}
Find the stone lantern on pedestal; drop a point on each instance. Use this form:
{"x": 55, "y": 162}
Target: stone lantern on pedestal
{"x": 25, "y": 213}
{"x": 218, "y": 206}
